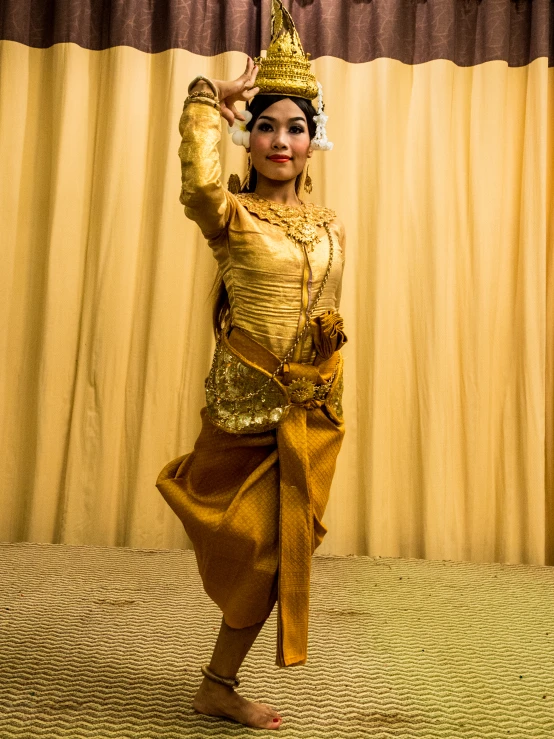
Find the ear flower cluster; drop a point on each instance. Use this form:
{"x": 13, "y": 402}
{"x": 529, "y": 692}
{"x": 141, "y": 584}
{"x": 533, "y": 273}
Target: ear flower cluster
{"x": 240, "y": 136}
{"x": 319, "y": 141}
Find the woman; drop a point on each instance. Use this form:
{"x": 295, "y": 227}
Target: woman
{"x": 252, "y": 493}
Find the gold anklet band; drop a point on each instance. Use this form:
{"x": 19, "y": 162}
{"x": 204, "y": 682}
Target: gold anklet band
{"x": 230, "y": 682}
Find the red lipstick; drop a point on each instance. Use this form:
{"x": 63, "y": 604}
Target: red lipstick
{"x": 279, "y": 158}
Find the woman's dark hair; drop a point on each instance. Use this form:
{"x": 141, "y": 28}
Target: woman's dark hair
{"x": 221, "y": 305}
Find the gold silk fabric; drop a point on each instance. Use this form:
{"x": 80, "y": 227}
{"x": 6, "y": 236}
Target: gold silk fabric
{"x": 270, "y": 279}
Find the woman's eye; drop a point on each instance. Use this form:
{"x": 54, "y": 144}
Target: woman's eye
{"x": 267, "y": 127}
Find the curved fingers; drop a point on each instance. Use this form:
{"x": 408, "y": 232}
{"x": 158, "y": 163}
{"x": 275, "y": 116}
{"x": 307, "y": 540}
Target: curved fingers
{"x": 226, "y": 112}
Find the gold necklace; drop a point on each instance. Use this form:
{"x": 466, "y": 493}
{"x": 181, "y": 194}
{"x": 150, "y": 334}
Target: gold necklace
{"x": 299, "y": 222}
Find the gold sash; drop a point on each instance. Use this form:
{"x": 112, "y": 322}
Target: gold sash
{"x": 297, "y": 519}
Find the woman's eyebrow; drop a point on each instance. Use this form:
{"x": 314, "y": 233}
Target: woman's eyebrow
{"x": 269, "y": 118}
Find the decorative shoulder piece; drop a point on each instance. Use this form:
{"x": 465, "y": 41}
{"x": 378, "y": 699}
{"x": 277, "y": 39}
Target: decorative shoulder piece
{"x": 299, "y": 223}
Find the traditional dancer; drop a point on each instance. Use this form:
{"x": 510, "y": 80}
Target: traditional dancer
{"x": 252, "y": 493}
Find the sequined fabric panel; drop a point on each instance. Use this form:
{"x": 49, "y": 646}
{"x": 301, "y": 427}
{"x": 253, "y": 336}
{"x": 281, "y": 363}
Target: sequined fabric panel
{"x": 231, "y": 380}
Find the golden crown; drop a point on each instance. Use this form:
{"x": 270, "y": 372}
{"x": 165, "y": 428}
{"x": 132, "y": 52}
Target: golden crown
{"x": 285, "y": 70}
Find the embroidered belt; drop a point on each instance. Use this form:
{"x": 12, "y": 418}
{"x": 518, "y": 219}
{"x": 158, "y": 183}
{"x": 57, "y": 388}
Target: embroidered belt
{"x": 244, "y": 395}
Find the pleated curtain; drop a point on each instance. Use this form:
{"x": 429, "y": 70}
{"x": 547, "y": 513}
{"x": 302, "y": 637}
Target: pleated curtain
{"x": 442, "y": 118}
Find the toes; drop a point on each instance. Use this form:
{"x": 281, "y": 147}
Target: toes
{"x": 274, "y": 720}
{"x": 268, "y": 718}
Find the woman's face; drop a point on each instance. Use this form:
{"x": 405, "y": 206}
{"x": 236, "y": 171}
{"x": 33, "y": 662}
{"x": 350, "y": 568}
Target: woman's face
{"x": 280, "y": 141}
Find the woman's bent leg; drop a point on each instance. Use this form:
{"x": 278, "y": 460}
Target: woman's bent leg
{"x": 231, "y": 648}
{"x": 214, "y": 699}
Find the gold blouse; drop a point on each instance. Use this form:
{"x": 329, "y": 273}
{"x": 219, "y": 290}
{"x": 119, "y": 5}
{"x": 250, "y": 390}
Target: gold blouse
{"x": 271, "y": 279}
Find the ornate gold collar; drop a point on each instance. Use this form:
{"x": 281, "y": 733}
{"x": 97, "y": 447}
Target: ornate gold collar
{"x": 299, "y": 223}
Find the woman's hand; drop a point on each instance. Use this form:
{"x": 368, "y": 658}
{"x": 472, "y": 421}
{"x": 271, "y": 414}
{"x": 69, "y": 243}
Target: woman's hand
{"x": 231, "y": 92}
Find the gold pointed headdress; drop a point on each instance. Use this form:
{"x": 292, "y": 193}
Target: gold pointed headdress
{"x": 285, "y": 70}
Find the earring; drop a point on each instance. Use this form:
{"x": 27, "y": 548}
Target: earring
{"x": 233, "y": 185}
{"x": 308, "y": 186}
{"x": 249, "y": 171}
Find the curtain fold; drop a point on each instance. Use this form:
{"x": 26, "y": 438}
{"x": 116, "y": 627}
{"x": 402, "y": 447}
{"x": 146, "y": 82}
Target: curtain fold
{"x": 442, "y": 173}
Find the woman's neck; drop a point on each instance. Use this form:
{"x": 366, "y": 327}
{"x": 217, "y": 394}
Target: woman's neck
{"x": 280, "y": 192}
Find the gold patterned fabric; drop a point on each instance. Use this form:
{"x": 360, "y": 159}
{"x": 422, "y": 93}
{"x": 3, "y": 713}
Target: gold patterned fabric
{"x": 252, "y": 506}
{"x": 254, "y": 517}
{"x": 270, "y": 279}
{"x": 252, "y": 503}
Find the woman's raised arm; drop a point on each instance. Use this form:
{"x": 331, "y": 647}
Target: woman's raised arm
{"x": 202, "y": 193}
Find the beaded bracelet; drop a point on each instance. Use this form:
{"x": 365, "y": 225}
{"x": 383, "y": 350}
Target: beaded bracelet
{"x": 203, "y": 94}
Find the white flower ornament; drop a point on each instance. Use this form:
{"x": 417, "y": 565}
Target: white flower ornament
{"x": 240, "y": 136}
{"x": 319, "y": 141}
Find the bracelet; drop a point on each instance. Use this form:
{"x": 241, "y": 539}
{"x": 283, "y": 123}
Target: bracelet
{"x": 203, "y": 94}
{"x": 206, "y": 101}
{"x": 207, "y": 81}
{"x": 230, "y": 682}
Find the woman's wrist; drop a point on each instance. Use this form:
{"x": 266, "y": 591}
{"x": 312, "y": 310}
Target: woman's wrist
{"x": 201, "y": 83}
{"x": 202, "y": 98}
{"x": 201, "y": 87}
{"x": 202, "y": 90}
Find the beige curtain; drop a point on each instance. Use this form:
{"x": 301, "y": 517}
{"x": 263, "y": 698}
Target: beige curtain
{"x": 443, "y": 176}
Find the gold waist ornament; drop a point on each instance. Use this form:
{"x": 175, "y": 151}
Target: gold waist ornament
{"x": 245, "y": 394}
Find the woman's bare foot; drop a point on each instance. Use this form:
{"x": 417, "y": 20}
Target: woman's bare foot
{"x": 219, "y": 700}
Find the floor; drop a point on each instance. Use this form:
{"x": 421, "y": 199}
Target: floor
{"x": 108, "y": 642}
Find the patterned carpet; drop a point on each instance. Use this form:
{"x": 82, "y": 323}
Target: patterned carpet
{"x": 107, "y": 642}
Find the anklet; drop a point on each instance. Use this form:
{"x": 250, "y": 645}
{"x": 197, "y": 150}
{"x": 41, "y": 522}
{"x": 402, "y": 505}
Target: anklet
{"x": 230, "y": 682}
